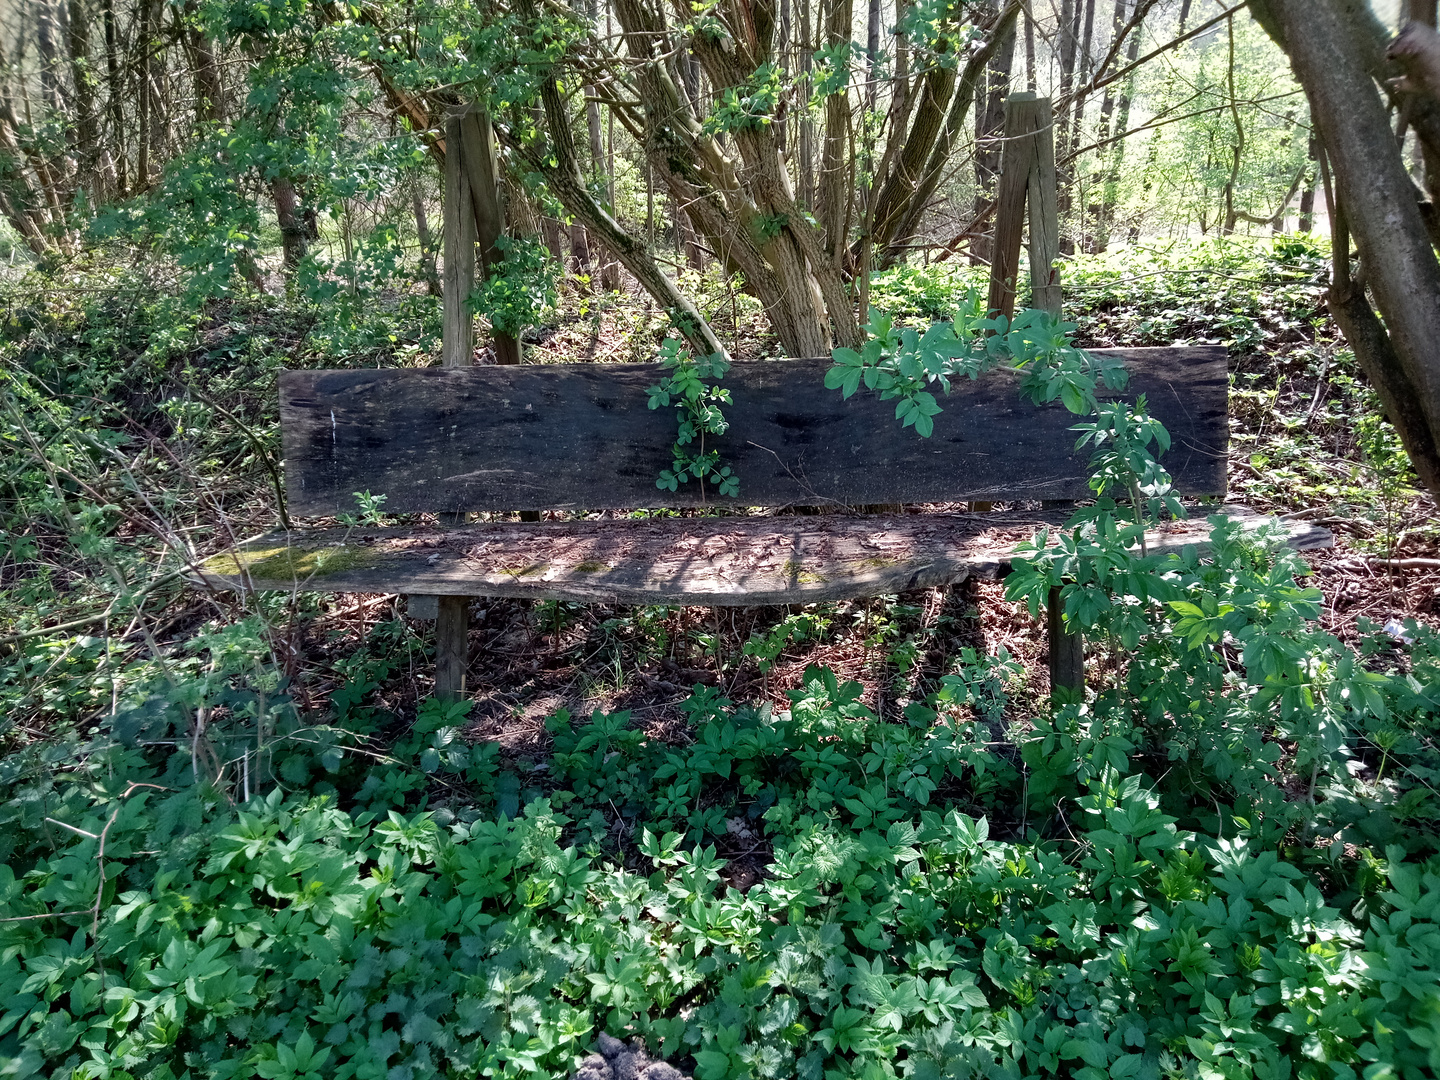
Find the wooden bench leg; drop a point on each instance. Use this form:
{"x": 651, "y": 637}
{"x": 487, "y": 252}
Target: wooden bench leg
{"x": 1067, "y": 650}
{"x": 452, "y": 646}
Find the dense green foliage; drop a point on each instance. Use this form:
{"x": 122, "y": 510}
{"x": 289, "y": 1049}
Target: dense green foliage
{"x": 1210, "y": 867}
{"x": 431, "y": 909}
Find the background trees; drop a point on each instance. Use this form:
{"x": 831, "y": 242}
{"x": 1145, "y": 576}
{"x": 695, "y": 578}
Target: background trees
{"x": 1371, "y": 105}
{"x": 794, "y": 145}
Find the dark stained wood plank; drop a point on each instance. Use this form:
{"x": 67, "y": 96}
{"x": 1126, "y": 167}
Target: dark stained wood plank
{"x": 722, "y": 561}
{"x": 579, "y": 436}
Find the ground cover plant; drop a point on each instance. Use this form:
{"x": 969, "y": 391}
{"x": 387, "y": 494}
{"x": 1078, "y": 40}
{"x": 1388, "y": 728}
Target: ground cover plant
{"x": 236, "y": 847}
{"x": 938, "y": 900}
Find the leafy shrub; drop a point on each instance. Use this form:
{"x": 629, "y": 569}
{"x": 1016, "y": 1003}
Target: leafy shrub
{"x": 1094, "y": 922}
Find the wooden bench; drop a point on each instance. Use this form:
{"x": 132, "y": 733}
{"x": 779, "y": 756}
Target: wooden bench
{"x": 580, "y": 438}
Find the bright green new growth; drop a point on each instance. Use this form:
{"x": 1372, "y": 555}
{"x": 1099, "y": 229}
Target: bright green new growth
{"x": 519, "y": 289}
{"x": 903, "y": 365}
{"x": 697, "y": 404}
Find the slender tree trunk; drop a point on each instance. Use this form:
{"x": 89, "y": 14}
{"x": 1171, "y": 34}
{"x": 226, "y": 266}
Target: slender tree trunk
{"x": 1237, "y": 150}
{"x": 989, "y": 136}
{"x": 143, "y": 118}
{"x": 89, "y": 152}
{"x": 836, "y": 161}
{"x": 872, "y": 53}
{"x": 43, "y": 14}
{"x": 294, "y": 240}
{"x": 477, "y": 155}
{"x": 427, "y": 240}
{"x": 1307, "y": 192}
{"x": 1031, "y": 83}
{"x": 1184, "y": 14}
{"x": 117, "y": 95}
{"x": 1085, "y": 64}
{"x": 806, "y": 195}
{"x": 1115, "y": 109}
{"x": 205, "y": 68}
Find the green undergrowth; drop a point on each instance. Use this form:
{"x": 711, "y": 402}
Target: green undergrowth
{"x": 1221, "y": 863}
{"x": 1244, "y": 293}
{"x": 1224, "y": 867}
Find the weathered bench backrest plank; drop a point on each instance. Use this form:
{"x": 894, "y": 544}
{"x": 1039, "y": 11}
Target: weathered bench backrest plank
{"x": 581, "y": 436}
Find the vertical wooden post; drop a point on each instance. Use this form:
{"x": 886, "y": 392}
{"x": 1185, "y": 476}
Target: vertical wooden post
{"x": 452, "y": 613}
{"x": 452, "y": 646}
{"x": 1067, "y": 649}
{"x": 1027, "y": 176}
{"x": 1044, "y": 213}
{"x": 458, "y": 337}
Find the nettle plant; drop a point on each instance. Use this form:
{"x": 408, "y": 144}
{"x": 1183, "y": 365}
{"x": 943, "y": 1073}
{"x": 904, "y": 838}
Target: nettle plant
{"x": 697, "y": 405}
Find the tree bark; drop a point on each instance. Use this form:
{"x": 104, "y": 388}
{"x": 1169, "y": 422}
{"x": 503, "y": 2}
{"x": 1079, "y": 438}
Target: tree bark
{"x": 806, "y": 194}
{"x": 989, "y": 125}
{"x": 116, "y": 94}
{"x": 1307, "y": 191}
{"x": 294, "y": 237}
{"x": 835, "y": 174}
{"x": 1326, "y": 43}
{"x": 427, "y": 241}
{"x": 477, "y": 156}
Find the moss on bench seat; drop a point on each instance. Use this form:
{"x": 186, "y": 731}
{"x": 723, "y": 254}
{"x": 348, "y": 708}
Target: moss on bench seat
{"x": 734, "y": 561}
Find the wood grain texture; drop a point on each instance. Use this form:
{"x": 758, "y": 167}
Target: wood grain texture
{"x": 579, "y": 436}
{"x": 721, "y": 561}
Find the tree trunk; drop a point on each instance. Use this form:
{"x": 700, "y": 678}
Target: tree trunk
{"x": 989, "y": 141}
{"x": 1031, "y": 84}
{"x": 806, "y": 195}
{"x": 1075, "y": 114}
{"x": 1238, "y": 149}
{"x": 209, "y": 100}
{"x": 1326, "y": 43}
{"x": 294, "y": 238}
{"x": 117, "y": 95}
{"x": 89, "y": 152}
{"x": 835, "y": 173}
{"x": 1110, "y": 190}
{"x": 427, "y": 241}
{"x": 477, "y": 155}
{"x": 46, "y": 22}
{"x": 1307, "y": 191}
{"x": 872, "y": 53}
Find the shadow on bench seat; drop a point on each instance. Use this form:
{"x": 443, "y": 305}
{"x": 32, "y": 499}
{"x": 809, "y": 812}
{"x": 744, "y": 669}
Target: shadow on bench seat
{"x": 715, "y": 561}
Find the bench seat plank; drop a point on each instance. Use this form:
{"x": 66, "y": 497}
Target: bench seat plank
{"x": 580, "y": 436}
{"x": 719, "y": 561}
